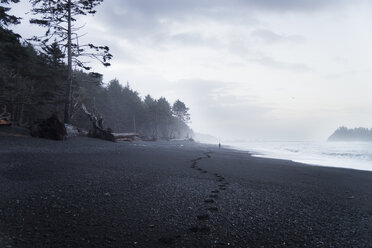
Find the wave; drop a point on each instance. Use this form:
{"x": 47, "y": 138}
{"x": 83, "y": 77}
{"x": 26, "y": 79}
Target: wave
{"x": 354, "y": 155}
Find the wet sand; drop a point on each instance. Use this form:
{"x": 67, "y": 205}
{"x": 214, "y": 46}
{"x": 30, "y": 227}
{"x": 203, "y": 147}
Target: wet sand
{"x": 91, "y": 193}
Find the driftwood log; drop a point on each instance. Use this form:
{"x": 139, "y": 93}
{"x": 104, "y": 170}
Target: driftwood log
{"x": 125, "y": 136}
{"x": 97, "y": 130}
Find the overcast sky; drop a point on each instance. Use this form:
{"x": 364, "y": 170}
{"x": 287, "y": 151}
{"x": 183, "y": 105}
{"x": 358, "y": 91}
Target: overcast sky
{"x": 247, "y": 69}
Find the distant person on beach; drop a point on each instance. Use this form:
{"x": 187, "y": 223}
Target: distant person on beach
{"x": 219, "y": 145}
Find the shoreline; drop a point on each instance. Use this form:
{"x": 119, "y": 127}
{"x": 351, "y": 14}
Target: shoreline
{"x": 91, "y": 193}
{"x": 310, "y": 158}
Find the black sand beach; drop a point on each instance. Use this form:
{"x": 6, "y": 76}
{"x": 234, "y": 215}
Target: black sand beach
{"x": 91, "y": 193}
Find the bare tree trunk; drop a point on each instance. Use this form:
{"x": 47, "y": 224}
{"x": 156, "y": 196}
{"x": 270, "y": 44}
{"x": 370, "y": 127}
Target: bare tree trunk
{"x": 20, "y": 121}
{"x": 13, "y": 104}
{"x": 69, "y": 65}
{"x": 134, "y": 124}
{"x": 97, "y": 130}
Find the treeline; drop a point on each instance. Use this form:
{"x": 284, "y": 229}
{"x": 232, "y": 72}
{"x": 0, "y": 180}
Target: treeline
{"x": 33, "y": 84}
{"x": 123, "y": 110}
{"x": 355, "y": 134}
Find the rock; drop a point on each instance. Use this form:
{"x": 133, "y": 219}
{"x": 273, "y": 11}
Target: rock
{"x": 51, "y": 128}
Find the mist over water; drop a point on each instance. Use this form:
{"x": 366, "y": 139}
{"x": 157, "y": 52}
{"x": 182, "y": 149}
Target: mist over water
{"x": 353, "y": 155}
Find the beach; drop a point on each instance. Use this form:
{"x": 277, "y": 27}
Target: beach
{"x": 86, "y": 192}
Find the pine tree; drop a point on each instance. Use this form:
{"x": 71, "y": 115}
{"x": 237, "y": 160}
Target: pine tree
{"x": 54, "y": 54}
{"x": 180, "y": 111}
{"x": 5, "y": 18}
{"x": 59, "y": 16}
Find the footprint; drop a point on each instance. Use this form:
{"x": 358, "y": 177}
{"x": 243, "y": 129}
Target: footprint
{"x": 215, "y": 191}
{"x": 194, "y": 229}
{"x": 204, "y": 171}
{"x": 203, "y": 217}
{"x": 204, "y": 229}
{"x": 224, "y": 184}
{"x": 212, "y": 209}
{"x": 209, "y": 201}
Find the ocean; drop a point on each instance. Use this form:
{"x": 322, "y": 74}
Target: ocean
{"x": 353, "y": 155}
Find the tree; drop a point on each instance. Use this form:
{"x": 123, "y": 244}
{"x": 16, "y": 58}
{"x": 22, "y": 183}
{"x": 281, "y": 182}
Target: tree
{"x": 150, "y": 116}
{"x": 54, "y": 54}
{"x": 164, "y": 117}
{"x": 59, "y": 16}
{"x": 5, "y": 18}
{"x": 29, "y": 84}
{"x": 180, "y": 111}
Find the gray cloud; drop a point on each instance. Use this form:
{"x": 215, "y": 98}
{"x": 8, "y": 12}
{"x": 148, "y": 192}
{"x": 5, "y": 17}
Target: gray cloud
{"x": 277, "y": 64}
{"x": 272, "y": 37}
{"x": 189, "y": 38}
{"x": 161, "y": 7}
{"x": 289, "y": 5}
{"x": 150, "y": 15}
{"x": 245, "y": 50}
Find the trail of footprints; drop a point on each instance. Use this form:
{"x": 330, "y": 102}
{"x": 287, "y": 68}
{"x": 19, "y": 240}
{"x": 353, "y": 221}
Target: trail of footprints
{"x": 211, "y": 201}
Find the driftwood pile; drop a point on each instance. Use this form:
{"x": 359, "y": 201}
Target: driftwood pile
{"x": 97, "y": 130}
{"x": 53, "y": 128}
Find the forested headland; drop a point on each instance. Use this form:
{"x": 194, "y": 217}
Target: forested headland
{"x": 45, "y": 76}
{"x": 353, "y": 134}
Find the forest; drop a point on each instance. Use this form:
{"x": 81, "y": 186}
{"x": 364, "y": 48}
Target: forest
{"x": 353, "y": 134}
{"x": 45, "y": 76}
